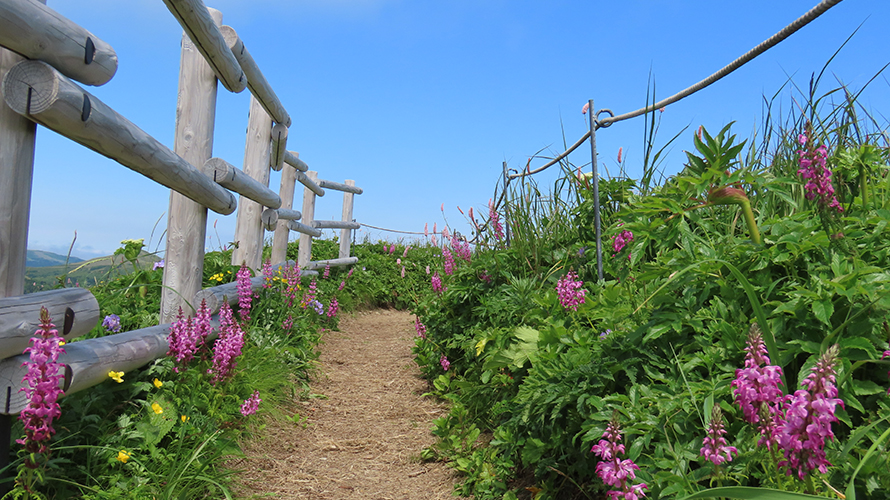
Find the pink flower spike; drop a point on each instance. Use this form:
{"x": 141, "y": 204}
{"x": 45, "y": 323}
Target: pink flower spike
{"x": 426, "y": 229}
{"x": 585, "y": 108}
{"x": 619, "y": 154}
{"x": 570, "y": 291}
{"x": 715, "y": 448}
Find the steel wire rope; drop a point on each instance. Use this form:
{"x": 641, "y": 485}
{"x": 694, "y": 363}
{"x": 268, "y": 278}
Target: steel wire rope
{"x": 770, "y": 42}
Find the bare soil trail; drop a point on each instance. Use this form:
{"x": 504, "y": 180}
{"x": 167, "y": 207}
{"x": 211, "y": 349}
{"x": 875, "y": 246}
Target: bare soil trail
{"x": 363, "y": 438}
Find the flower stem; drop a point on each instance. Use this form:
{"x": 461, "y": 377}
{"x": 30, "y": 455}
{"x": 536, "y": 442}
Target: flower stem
{"x": 749, "y": 219}
{"x": 863, "y": 187}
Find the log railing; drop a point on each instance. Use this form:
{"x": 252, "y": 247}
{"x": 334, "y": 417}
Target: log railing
{"x": 41, "y": 53}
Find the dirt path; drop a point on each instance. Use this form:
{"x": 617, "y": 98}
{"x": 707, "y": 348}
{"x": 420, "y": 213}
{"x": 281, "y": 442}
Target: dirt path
{"x": 364, "y": 440}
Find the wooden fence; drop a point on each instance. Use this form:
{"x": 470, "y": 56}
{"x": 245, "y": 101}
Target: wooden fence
{"x": 42, "y": 54}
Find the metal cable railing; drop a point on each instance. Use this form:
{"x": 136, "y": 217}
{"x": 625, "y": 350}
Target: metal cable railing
{"x": 770, "y": 42}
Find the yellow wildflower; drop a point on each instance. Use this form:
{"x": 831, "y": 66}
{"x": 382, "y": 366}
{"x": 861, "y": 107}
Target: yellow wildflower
{"x": 158, "y": 383}
{"x": 123, "y": 456}
{"x": 184, "y": 418}
{"x": 157, "y": 408}
{"x": 61, "y": 343}
{"x": 116, "y": 376}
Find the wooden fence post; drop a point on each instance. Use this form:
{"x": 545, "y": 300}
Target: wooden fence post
{"x": 17, "y": 137}
{"x": 248, "y": 225}
{"x": 304, "y": 255}
{"x": 186, "y": 219}
{"x": 282, "y": 233}
{"x": 346, "y": 234}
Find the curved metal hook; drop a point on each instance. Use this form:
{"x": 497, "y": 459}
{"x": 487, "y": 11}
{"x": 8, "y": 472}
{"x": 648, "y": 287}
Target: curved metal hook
{"x": 598, "y": 113}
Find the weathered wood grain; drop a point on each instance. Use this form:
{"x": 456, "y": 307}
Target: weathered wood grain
{"x": 195, "y": 19}
{"x": 303, "y": 229}
{"x": 335, "y": 224}
{"x": 248, "y": 225}
{"x": 279, "y": 147}
{"x": 256, "y": 82}
{"x": 293, "y": 159}
{"x": 346, "y": 233}
{"x": 304, "y": 252}
{"x": 271, "y": 217}
{"x": 20, "y": 316}
{"x": 36, "y": 31}
{"x": 282, "y": 233}
{"x": 336, "y": 186}
{"x": 321, "y": 264}
{"x": 187, "y": 220}
{"x": 230, "y": 177}
{"x": 310, "y": 183}
{"x": 60, "y": 105}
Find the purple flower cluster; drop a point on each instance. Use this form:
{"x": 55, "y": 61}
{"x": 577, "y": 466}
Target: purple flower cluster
{"x": 309, "y": 296}
{"x": 714, "y": 446}
{"x": 292, "y": 275}
{"x": 267, "y": 274}
{"x": 317, "y": 306}
{"x": 797, "y": 424}
{"x": 612, "y": 469}
{"x": 444, "y": 362}
{"x": 333, "y": 308}
{"x": 245, "y": 293}
{"x": 187, "y": 336}
{"x": 436, "y": 281}
{"x": 251, "y": 404}
{"x": 817, "y": 174}
{"x": 158, "y": 265}
{"x": 419, "y": 328}
{"x": 570, "y": 291}
{"x": 327, "y": 272}
{"x": 41, "y": 387}
{"x": 448, "y": 261}
{"x": 808, "y": 417}
{"x": 495, "y": 220}
{"x": 621, "y": 240}
{"x": 227, "y": 347}
{"x": 288, "y": 323}
{"x": 484, "y": 276}
{"x": 112, "y": 323}
{"x": 461, "y": 248}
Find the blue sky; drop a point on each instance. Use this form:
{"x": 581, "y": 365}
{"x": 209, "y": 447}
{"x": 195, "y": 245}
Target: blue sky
{"x": 420, "y": 101}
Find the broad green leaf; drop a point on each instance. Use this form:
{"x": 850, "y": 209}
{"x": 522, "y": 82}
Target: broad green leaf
{"x": 823, "y": 309}
{"x": 746, "y": 492}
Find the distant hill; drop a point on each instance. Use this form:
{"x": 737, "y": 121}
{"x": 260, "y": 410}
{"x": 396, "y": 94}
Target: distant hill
{"x": 41, "y": 258}
{"x": 83, "y": 273}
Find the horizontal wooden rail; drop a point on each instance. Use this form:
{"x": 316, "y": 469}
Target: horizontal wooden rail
{"x": 279, "y": 147}
{"x": 216, "y": 295}
{"x": 37, "y": 91}
{"x": 74, "y": 311}
{"x": 271, "y": 217}
{"x": 293, "y": 159}
{"x": 36, "y": 31}
{"x": 303, "y": 228}
{"x": 195, "y": 19}
{"x": 336, "y": 186}
{"x": 230, "y": 177}
{"x": 88, "y": 362}
{"x": 321, "y": 264}
{"x": 256, "y": 82}
{"x": 335, "y": 224}
{"x": 306, "y": 181}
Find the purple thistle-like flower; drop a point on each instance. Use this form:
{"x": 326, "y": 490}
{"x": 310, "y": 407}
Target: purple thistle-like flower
{"x": 758, "y": 382}
{"x": 495, "y": 220}
{"x": 448, "y": 261}
{"x": 245, "y": 294}
{"x": 112, "y": 323}
{"x": 714, "y": 445}
{"x": 444, "y": 362}
{"x": 808, "y": 417}
{"x": 436, "y": 281}
{"x": 813, "y": 169}
{"x": 333, "y": 308}
{"x": 613, "y": 470}
{"x": 181, "y": 341}
{"x": 570, "y": 291}
{"x": 227, "y": 347}
{"x": 267, "y": 274}
{"x": 621, "y": 240}
{"x": 251, "y": 404}
{"x": 41, "y": 387}
{"x": 419, "y": 328}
